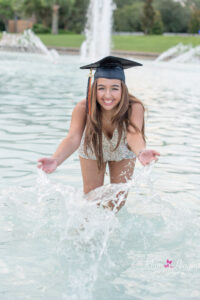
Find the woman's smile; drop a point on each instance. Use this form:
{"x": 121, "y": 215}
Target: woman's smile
{"x": 108, "y": 92}
{"x": 108, "y": 102}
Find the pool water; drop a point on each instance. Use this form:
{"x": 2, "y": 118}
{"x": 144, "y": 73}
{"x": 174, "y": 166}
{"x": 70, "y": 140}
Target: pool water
{"x": 56, "y": 245}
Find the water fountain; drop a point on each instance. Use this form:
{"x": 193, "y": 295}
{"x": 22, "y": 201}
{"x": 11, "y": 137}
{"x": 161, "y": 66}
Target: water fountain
{"x": 182, "y": 54}
{"x": 98, "y": 30}
{"x": 26, "y": 42}
{"x": 190, "y": 56}
{"x": 57, "y": 245}
{"x": 54, "y": 244}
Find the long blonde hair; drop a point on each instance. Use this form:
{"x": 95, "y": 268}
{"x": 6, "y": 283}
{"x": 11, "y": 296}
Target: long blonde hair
{"x": 120, "y": 119}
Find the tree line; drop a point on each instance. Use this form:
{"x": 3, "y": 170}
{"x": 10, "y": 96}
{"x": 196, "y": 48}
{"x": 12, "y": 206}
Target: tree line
{"x": 148, "y": 16}
{"x": 157, "y": 16}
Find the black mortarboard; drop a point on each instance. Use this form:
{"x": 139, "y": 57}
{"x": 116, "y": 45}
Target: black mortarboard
{"x": 110, "y": 67}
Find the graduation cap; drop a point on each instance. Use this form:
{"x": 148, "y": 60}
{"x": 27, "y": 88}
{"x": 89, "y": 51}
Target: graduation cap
{"x": 110, "y": 67}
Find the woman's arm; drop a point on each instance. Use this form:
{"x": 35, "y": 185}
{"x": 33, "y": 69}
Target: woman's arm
{"x": 135, "y": 139}
{"x": 70, "y": 143}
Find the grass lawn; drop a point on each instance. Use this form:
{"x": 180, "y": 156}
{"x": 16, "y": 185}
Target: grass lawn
{"x": 152, "y": 43}
{"x": 62, "y": 40}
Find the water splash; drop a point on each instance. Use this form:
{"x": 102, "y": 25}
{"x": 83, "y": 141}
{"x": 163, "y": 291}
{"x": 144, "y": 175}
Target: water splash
{"x": 173, "y": 52}
{"x": 55, "y": 244}
{"x": 98, "y": 30}
{"x": 26, "y": 42}
{"x": 181, "y": 54}
{"x": 53, "y": 241}
{"x": 191, "y": 56}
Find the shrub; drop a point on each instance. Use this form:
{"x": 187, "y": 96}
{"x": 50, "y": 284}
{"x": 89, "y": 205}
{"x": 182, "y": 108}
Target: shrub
{"x": 2, "y": 26}
{"x": 40, "y": 28}
{"x": 64, "y": 31}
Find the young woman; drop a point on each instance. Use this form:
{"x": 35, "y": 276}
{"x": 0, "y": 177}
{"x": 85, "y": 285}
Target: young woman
{"x": 110, "y": 130}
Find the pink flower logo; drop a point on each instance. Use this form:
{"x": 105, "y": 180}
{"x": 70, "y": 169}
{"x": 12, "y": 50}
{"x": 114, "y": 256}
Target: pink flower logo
{"x": 168, "y": 264}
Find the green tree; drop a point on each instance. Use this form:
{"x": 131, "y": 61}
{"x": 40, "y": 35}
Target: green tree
{"x": 6, "y": 11}
{"x": 69, "y": 14}
{"x": 158, "y": 26}
{"x": 147, "y": 19}
{"x": 55, "y": 6}
{"x": 128, "y": 18}
{"x": 65, "y": 14}
{"x": 194, "y": 24}
{"x": 192, "y": 4}
{"x": 40, "y": 9}
{"x": 17, "y": 6}
{"x": 78, "y": 16}
{"x": 175, "y": 17}
{"x": 46, "y": 11}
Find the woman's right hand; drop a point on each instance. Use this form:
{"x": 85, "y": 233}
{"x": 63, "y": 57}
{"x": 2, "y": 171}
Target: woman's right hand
{"x": 48, "y": 165}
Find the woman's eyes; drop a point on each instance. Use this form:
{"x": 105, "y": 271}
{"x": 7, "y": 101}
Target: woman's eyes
{"x": 113, "y": 89}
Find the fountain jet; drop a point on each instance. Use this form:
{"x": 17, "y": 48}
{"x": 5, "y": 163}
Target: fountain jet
{"x": 26, "y": 42}
{"x": 98, "y": 30}
{"x": 181, "y": 54}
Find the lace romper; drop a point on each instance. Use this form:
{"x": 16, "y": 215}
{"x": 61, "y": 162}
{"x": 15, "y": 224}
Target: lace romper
{"x": 122, "y": 151}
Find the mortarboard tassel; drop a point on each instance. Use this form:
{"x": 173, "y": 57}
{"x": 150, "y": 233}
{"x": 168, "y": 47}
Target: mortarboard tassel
{"x": 88, "y": 101}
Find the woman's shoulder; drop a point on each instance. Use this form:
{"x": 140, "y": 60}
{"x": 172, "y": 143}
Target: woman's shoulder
{"x": 135, "y": 103}
{"x": 137, "y": 109}
{"x": 79, "y": 111}
{"x": 137, "y": 106}
{"x": 81, "y": 103}
{"x": 80, "y": 106}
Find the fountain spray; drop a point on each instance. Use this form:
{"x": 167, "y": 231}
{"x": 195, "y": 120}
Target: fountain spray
{"x": 98, "y": 30}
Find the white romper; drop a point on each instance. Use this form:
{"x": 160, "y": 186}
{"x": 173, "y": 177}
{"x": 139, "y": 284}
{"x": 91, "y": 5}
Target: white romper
{"x": 122, "y": 151}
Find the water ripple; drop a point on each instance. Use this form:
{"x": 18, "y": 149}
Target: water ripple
{"x": 54, "y": 244}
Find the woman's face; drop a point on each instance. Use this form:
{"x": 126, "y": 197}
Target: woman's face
{"x": 109, "y": 93}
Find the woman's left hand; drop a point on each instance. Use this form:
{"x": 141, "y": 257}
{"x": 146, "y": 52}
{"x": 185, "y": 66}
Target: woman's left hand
{"x": 147, "y": 156}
